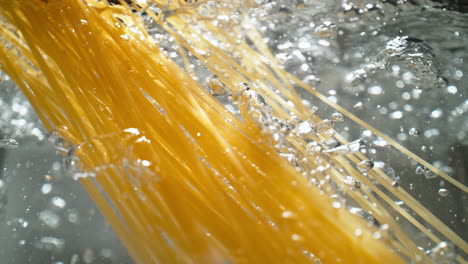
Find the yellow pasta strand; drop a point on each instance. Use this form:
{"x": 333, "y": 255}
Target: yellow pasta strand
{"x": 180, "y": 178}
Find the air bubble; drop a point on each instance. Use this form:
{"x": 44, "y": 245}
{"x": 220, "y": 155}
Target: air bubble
{"x": 443, "y": 192}
{"x": 430, "y": 174}
{"x": 414, "y": 132}
{"x": 324, "y": 126}
{"x": 356, "y": 77}
{"x": 9, "y": 143}
{"x": 58, "y": 202}
{"x": 352, "y": 183}
{"x": 217, "y": 88}
{"x": 304, "y": 129}
{"x": 348, "y": 148}
{"x": 49, "y": 218}
{"x": 46, "y": 188}
{"x": 337, "y": 117}
{"x": 365, "y": 165}
{"x": 313, "y": 148}
{"x": 420, "y": 170}
{"x": 443, "y": 253}
{"x": 50, "y": 243}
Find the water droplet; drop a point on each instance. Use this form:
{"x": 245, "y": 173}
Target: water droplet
{"x": 8, "y": 143}
{"x": 365, "y": 165}
{"x": 414, "y": 132}
{"x": 443, "y": 192}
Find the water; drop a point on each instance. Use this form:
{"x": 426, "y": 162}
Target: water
{"x": 398, "y": 66}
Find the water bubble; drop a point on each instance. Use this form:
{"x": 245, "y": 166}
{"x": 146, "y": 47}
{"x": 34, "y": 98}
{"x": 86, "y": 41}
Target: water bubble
{"x": 288, "y": 214}
{"x": 3, "y": 188}
{"x": 324, "y": 126}
{"x": 377, "y": 235}
{"x": 330, "y": 143}
{"x": 49, "y": 218}
{"x": 452, "y": 89}
{"x": 73, "y": 215}
{"x": 254, "y": 106}
{"x": 430, "y": 174}
{"x": 414, "y": 132}
{"x": 420, "y": 170}
{"x": 83, "y": 174}
{"x": 8, "y": 143}
{"x": 348, "y": 148}
{"x": 337, "y": 117}
{"x": 88, "y": 256}
{"x": 336, "y": 205}
{"x": 356, "y": 77}
{"x": 443, "y": 192}
{"x": 358, "y": 232}
{"x": 326, "y": 30}
{"x": 313, "y": 148}
{"x": 352, "y": 183}
{"x": 364, "y": 214}
{"x": 443, "y": 253}
{"x": 375, "y": 90}
{"x": 304, "y": 129}
{"x": 60, "y": 143}
{"x": 58, "y": 202}
{"x": 217, "y": 88}
{"x": 437, "y": 113}
{"x": 396, "y": 115}
{"x": 358, "y": 105}
{"x": 50, "y": 243}
{"x": 17, "y": 222}
{"x": 365, "y": 165}
{"x": 46, "y": 188}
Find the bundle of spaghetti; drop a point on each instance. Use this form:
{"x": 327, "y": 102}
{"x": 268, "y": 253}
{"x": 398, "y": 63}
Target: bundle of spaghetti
{"x": 179, "y": 177}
